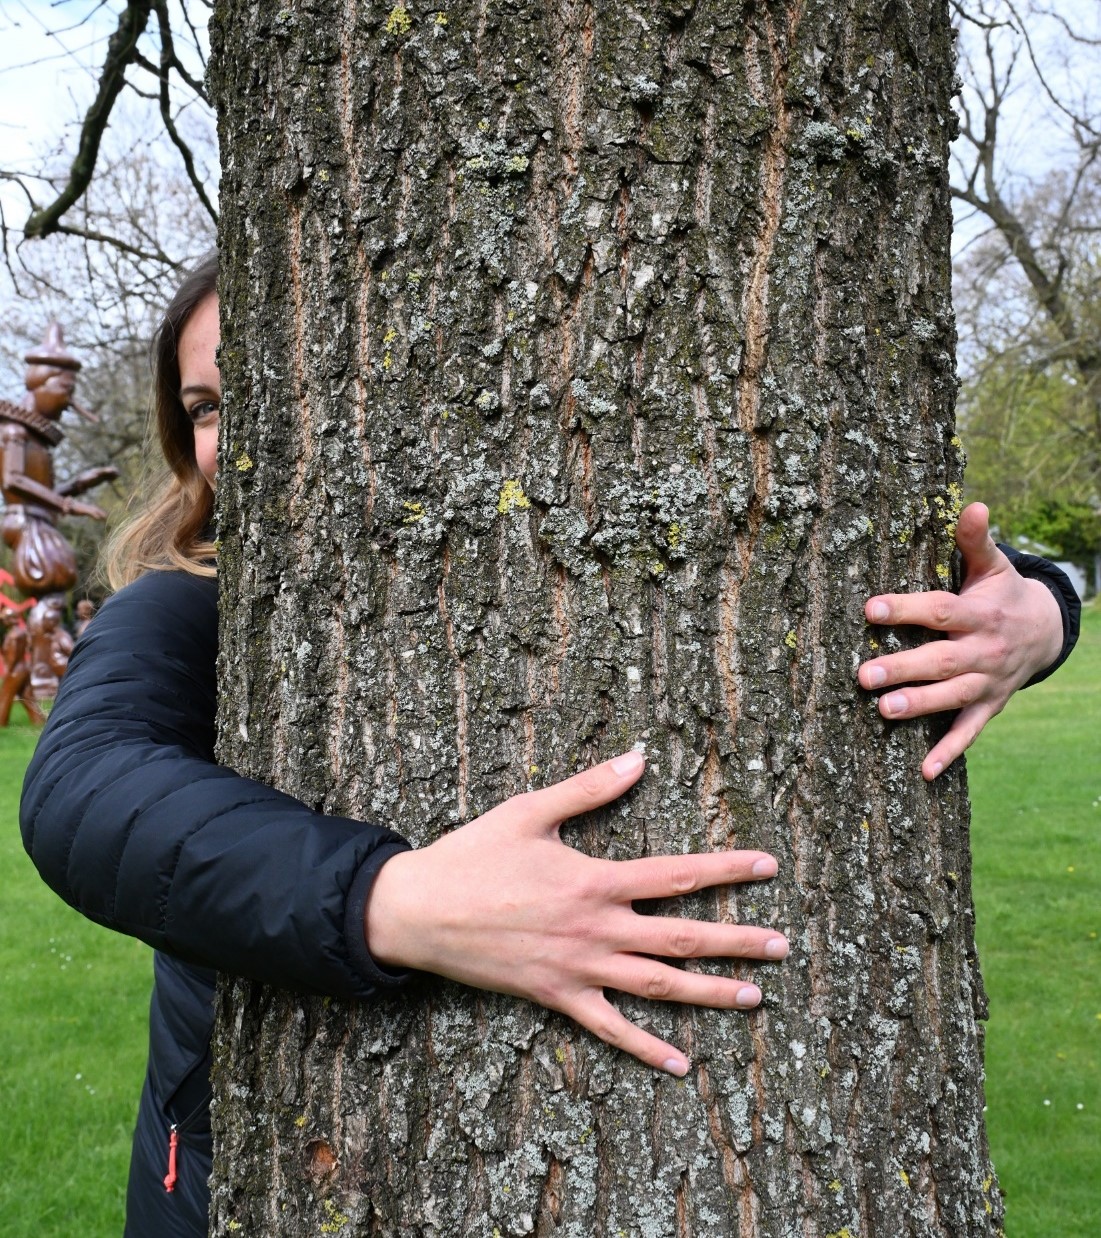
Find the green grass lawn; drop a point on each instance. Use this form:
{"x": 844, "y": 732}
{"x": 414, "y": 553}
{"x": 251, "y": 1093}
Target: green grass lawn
{"x": 1036, "y": 791}
{"x": 73, "y": 997}
{"x": 73, "y": 1006}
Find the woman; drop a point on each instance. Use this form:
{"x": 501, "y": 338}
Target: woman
{"x": 128, "y": 817}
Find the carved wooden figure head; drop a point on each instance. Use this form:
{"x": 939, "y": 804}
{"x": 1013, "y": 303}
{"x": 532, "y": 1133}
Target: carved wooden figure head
{"x": 51, "y": 374}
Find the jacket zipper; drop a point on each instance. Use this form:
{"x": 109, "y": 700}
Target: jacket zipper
{"x": 174, "y": 1143}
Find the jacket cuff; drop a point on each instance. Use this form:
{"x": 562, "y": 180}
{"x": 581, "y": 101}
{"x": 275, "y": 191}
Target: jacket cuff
{"x": 355, "y": 934}
{"x": 1058, "y": 584}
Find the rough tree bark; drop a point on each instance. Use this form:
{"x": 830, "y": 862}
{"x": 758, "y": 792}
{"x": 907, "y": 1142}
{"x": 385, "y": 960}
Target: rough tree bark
{"x": 587, "y": 367}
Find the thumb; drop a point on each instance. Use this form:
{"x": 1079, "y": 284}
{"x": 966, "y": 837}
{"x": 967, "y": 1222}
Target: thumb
{"x": 980, "y": 555}
{"x": 590, "y": 789}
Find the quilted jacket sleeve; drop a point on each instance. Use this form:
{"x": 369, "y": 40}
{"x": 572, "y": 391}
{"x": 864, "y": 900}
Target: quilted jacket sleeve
{"x": 128, "y": 818}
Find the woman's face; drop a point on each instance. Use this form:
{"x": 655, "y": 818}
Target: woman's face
{"x": 201, "y": 384}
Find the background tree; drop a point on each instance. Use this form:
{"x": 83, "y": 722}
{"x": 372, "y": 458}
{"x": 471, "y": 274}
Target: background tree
{"x": 584, "y": 370}
{"x": 1028, "y": 281}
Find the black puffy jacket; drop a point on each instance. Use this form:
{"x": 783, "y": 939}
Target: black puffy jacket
{"x": 129, "y": 819}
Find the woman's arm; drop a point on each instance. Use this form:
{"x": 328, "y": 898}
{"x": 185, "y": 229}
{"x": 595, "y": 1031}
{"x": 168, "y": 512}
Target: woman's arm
{"x": 128, "y": 818}
{"x": 1005, "y": 629}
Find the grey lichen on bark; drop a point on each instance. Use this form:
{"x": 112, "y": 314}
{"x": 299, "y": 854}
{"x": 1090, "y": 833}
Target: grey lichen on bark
{"x": 584, "y": 371}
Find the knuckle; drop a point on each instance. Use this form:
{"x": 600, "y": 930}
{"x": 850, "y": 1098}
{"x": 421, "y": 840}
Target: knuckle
{"x": 596, "y": 881}
{"x": 683, "y": 944}
{"x": 948, "y": 662}
{"x": 942, "y": 608}
{"x": 994, "y": 618}
{"x": 969, "y": 690}
{"x": 590, "y": 784}
{"x": 658, "y": 985}
{"x": 682, "y": 876}
{"x": 999, "y": 651}
{"x": 609, "y": 1030}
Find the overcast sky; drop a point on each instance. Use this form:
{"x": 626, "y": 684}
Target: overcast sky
{"x": 51, "y": 52}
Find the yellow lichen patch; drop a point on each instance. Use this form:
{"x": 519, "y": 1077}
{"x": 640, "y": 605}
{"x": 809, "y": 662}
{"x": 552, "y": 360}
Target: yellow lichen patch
{"x": 904, "y": 1176}
{"x": 533, "y": 770}
{"x": 337, "y": 1219}
{"x": 233, "y": 1226}
{"x": 300, "y": 1121}
{"x": 559, "y": 1056}
{"x": 244, "y": 462}
{"x": 873, "y": 643}
{"x": 387, "y": 361}
{"x": 512, "y": 496}
{"x": 657, "y": 567}
{"x": 674, "y": 536}
{"x": 791, "y": 640}
{"x": 844, "y": 1232}
{"x": 441, "y": 19}
{"x": 399, "y": 22}
{"x": 944, "y": 573}
{"x": 865, "y": 826}
{"x": 413, "y": 512}
{"x": 835, "y": 1185}
{"x": 389, "y": 337}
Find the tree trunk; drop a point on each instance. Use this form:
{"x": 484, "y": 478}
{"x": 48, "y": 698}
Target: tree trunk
{"x": 589, "y": 366}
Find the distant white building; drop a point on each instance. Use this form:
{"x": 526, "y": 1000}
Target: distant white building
{"x": 1077, "y": 576}
{"x": 1074, "y": 573}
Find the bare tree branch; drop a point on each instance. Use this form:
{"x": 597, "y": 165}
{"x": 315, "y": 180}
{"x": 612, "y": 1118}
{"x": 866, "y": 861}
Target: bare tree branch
{"x": 168, "y": 59}
{"x": 120, "y": 52}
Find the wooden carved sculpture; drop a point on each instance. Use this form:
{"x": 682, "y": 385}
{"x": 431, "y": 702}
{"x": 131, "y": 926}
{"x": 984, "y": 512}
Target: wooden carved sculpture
{"x": 50, "y": 647}
{"x": 42, "y": 560}
{"x": 16, "y": 684}
{"x": 43, "y": 563}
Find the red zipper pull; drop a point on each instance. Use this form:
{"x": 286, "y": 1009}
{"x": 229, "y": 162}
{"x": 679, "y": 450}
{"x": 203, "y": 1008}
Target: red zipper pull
{"x": 173, "y": 1143}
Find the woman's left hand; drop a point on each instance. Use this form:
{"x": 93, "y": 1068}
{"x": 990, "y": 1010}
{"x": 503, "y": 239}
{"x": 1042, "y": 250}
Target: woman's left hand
{"x": 1002, "y": 629}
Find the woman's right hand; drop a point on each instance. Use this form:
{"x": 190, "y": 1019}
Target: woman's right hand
{"x": 503, "y": 904}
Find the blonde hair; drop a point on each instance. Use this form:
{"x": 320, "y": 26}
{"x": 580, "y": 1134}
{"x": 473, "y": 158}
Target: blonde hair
{"x": 171, "y": 529}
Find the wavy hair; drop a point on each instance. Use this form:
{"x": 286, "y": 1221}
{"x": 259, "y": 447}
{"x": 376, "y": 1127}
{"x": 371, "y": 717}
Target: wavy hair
{"x": 171, "y": 529}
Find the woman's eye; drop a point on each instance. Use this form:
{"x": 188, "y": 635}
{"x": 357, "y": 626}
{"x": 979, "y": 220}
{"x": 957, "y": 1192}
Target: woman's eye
{"x": 202, "y": 411}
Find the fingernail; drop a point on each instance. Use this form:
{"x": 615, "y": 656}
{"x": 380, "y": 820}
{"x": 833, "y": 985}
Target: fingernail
{"x": 777, "y": 948}
{"x": 879, "y": 611}
{"x": 876, "y": 676}
{"x": 629, "y": 763}
{"x": 937, "y": 767}
{"x": 748, "y": 996}
{"x": 894, "y": 704}
{"x": 764, "y": 868}
{"x": 675, "y": 1066}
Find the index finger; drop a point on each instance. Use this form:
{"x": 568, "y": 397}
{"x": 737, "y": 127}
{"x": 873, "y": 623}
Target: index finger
{"x": 665, "y": 876}
{"x": 590, "y": 789}
{"x": 938, "y": 610}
